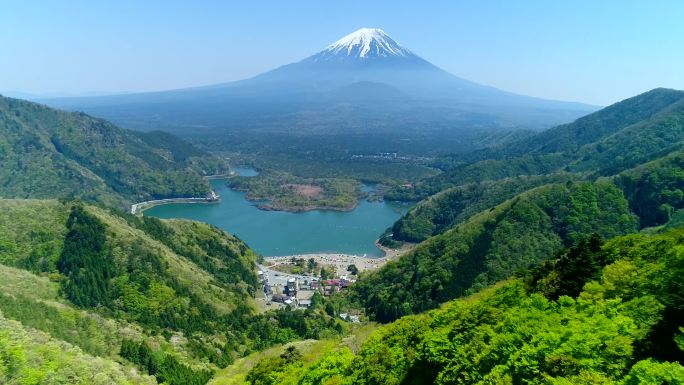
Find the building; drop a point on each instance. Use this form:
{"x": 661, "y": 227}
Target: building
{"x": 304, "y": 303}
{"x": 292, "y": 287}
{"x": 280, "y": 298}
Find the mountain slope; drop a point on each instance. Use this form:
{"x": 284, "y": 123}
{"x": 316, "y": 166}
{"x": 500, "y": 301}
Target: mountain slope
{"x": 172, "y": 298}
{"x": 48, "y": 153}
{"x": 617, "y": 322}
{"x": 624, "y": 135}
{"x": 290, "y": 96}
{"x": 492, "y": 245}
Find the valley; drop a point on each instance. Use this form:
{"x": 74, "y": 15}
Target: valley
{"x": 359, "y": 216}
{"x": 282, "y": 233}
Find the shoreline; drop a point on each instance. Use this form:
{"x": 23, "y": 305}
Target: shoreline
{"x": 142, "y": 206}
{"x": 213, "y": 198}
{"x": 340, "y": 260}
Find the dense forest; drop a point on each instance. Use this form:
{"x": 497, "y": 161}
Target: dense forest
{"x": 284, "y": 191}
{"x": 554, "y": 258}
{"x": 173, "y": 298}
{"x": 619, "y": 137}
{"x": 492, "y": 245}
{"x": 47, "y": 153}
{"x": 593, "y": 314}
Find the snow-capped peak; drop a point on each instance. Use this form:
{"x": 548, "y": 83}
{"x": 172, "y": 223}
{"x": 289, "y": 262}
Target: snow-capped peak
{"x": 367, "y": 42}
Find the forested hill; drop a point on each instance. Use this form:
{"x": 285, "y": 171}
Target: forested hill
{"x": 616, "y": 138}
{"x": 90, "y": 295}
{"x": 649, "y": 106}
{"x": 46, "y": 153}
{"x": 479, "y": 233}
{"x": 594, "y": 314}
{"x": 492, "y": 245}
{"x": 654, "y": 191}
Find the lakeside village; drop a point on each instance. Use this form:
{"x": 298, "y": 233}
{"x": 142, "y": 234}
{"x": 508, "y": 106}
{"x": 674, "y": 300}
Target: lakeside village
{"x": 297, "y": 291}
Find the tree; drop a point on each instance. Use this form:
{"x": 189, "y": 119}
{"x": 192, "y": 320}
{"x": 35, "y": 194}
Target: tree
{"x": 353, "y": 269}
{"x": 312, "y": 264}
{"x": 324, "y": 273}
{"x": 291, "y": 354}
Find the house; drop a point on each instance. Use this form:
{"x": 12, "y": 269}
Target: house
{"x": 280, "y": 298}
{"x": 330, "y": 289}
{"x": 292, "y": 287}
{"x": 350, "y": 318}
{"x": 304, "y": 303}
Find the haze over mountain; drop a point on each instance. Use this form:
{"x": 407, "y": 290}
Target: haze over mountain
{"x": 364, "y": 82}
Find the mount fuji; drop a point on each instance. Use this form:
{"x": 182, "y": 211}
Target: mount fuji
{"x": 364, "y": 82}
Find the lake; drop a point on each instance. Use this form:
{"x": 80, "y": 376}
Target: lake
{"x": 276, "y": 233}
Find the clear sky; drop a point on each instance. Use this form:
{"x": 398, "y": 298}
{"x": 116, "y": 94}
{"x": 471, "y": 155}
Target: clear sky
{"x": 597, "y": 51}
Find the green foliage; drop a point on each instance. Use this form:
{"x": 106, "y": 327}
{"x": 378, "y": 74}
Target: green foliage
{"x": 47, "y": 153}
{"x": 649, "y": 372}
{"x": 518, "y": 234}
{"x": 288, "y": 192}
{"x": 30, "y": 357}
{"x": 35, "y": 302}
{"x": 568, "y": 272}
{"x": 509, "y": 335}
{"x": 85, "y": 261}
{"x": 655, "y": 190}
{"x": 330, "y": 369}
{"x": 32, "y": 235}
{"x": 166, "y": 368}
{"x": 442, "y": 211}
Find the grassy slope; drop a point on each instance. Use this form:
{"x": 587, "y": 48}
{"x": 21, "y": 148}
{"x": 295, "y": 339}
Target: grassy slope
{"x": 450, "y": 207}
{"x": 30, "y": 292}
{"x": 311, "y": 351}
{"x": 200, "y": 282}
{"x": 29, "y": 356}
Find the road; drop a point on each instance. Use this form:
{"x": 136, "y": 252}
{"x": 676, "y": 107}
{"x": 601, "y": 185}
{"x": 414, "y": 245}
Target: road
{"x": 279, "y": 278}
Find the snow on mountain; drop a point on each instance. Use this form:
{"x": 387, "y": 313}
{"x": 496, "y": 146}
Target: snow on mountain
{"x": 365, "y": 44}
{"x": 366, "y": 66}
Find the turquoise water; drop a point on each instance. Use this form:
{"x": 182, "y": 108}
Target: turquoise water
{"x": 272, "y": 233}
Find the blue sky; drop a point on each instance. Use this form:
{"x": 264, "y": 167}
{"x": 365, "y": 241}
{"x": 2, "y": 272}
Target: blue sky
{"x": 590, "y": 51}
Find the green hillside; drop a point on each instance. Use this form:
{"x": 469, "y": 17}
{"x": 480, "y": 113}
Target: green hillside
{"x": 48, "y": 153}
{"x": 618, "y": 321}
{"x": 616, "y": 138}
{"x": 170, "y": 298}
{"x": 492, "y": 245}
{"x": 444, "y": 210}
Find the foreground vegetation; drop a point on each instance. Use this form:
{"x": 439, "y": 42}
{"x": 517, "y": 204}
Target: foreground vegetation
{"x": 492, "y": 245}
{"x": 171, "y": 298}
{"x": 594, "y": 314}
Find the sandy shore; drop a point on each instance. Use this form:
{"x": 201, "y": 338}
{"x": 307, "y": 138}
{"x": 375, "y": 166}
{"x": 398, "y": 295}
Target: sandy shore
{"x": 341, "y": 261}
